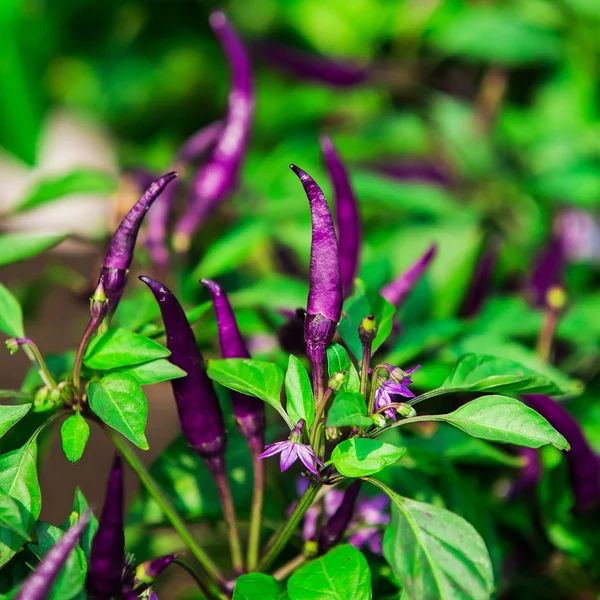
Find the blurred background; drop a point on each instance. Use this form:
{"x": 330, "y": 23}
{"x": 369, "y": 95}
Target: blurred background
{"x": 474, "y": 124}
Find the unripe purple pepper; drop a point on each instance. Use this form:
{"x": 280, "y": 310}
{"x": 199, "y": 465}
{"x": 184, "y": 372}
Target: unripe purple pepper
{"x": 219, "y": 176}
{"x": 346, "y": 215}
{"x": 107, "y": 557}
{"x": 148, "y": 571}
{"x": 199, "y": 411}
{"x": 122, "y": 244}
{"x": 334, "y": 529}
{"x": 39, "y": 583}
{"x": 249, "y": 412}
{"x": 325, "y": 297}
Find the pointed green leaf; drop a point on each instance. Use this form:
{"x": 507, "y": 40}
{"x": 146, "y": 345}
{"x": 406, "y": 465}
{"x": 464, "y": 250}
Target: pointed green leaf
{"x": 359, "y": 457}
{"x": 153, "y": 371}
{"x": 11, "y": 415}
{"x": 15, "y": 247}
{"x": 11, "y": 315}
{"x": 80, "y": 506}
{"x": 298, "y": 390}
{"x": 256, "y": 586}
{"x": 119, "y": 347}
{"x": 12, "y": 516}
{"x": 74, "y": 434}
{"x": 18, "y": 479}
{"x": 338, "y": 360}
{"x": 341, "y": 574}
{"x": 348, "y": 409}
{"x": 119, "y": 401}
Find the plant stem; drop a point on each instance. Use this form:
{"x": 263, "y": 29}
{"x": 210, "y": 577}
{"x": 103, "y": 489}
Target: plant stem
{"x": 85, "y": 340}
{"x": 283, "y": 572}
{"x": 318, "y": 426}
{"x": 256, "y": 510}
{"x": 198, "y": 578}
{"x": 546, "y": 337}
{"x": 35, "y": 356}
{"x": 364, "y": 368}
{"x": 371, "y": 402}
{"x": 222, "y": 483}
{"x": 165, "y": 505}
{"x": 287, "y": 529}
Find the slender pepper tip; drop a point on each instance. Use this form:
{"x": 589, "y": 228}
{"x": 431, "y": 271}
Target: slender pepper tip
{"x": 213, "y": 286}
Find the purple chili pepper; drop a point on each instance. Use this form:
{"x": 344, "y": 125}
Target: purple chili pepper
{"x": 583, "y": 466}
{"x": 309, "y": 66}
{"x": 548, "y": 271}
{"x": 200, "y": 415}
{"x": 530, "y": 473}
{"x": 346, "y": 215}
{"x": 481, "y": 280}
{"x": 249, "y": 412}
{"x": 148, "y": 571}
{"x": 122, "y": 244}
{"x": 218, "y": 177}
{"x": 397, "y": 290}
{"x": 107, "y": 557}
{"x": 335, "y": 527}
{"x": 39, "y": 583}
{"x": 199, "y": 142}
{"x": 325, "y": 297}
{"x": 413, "y": 170}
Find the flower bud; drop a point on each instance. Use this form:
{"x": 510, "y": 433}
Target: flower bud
{"x": 378, "y": 419}
{"x": 336, "y": 381}
{"x": 148, "y": 571}
{"x": 405, "y": 410}
{"x": 98, "y": 302}
{"x": 367, "y": 330}
{"x": 332, "y": 434}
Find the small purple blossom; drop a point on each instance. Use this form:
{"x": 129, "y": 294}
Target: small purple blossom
{"x": 372, "y": 514}
{"x": 293, "y": 449}
{"x": 390, "y": 388}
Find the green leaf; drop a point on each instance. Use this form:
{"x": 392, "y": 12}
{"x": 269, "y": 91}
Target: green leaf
{"x": 338, "y": 360}
{"x": 69, "y": 583}
{"x": 256, "y": 586}
{"x": 119, "y": 401}
{"x": 11, "y": 415}
{"x": 11, "y": 315}
{"x": 15, "y": 394}
{"x": 359, "y": 457}
{"x": 12, "y": 516}
{"x": 476, "y": 373}
{"x": 119, "y": 347}
{"x": 80, "y": 181}
{"x": 15, "y": 247}
{"x": 300, "y": 400}
{"x": 231, "y": 250}
{"x": 348, "y": 409}
{"x": 257, "y": 378}
{"x": 434, "y": 553}
{"x": 341, "y": 574}
{"x": 502, "y": 419}
{"x": 153, "y": 371}
{"x": 18, "y": 479}
{"x": 74, "y": 434}
{"x": 80, "y": 506}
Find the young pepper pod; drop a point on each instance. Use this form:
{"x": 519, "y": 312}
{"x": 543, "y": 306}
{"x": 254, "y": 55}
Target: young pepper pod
{"x": 249, "y": 412}
{"x": 325, "y": 296}
{"x": 39, "y": 583}
{"x": 122, "y": 244}
{"x": 346, "y": 215}
{"x": 335, "y": 527}
{"x": 219, "y": 176}
{"x": 199, "y": 411}
{"x": 107, "y": 557}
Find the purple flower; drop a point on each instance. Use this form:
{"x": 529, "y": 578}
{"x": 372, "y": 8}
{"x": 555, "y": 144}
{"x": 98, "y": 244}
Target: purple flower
{"x": 371, "y": 514}
{"x": 218, "y": 177}
{"x": 39, "y": 583}
{"x": 293, "y": 449}
{"x": 325, "y": 297}
{"x": 107, "y": 557}
{"x": 580, "y": 235}
{"x": 346, "y": 214}
{"x": 309, "y": 66}
{"x": 397, "y": 290}
{"x": 249, "y": 412}
{"x": 389, "y": 388}
{"x": 199, "y": 411}
{"x": 122, "y": 244}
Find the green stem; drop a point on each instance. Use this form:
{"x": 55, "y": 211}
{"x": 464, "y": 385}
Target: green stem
{"x": 364, "y": 369}
{"x": 283, "y": 572}
{"x": 199, "y": 578}
{"x": 287, "y": 529}
{"x": 83, "y": 344}
{"x": 165, "y": 504}
{"x": 433, "y": 394}
{"x": 256, "y": 510}
{"x": 35, "y": 356}
{"x": 222, "y": 483}
{"x": 371, "y": 402}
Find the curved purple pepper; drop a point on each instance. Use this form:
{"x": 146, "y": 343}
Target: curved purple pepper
{"x": 335, "y": 527}
{"x": 548, "y": 270}
{"x": 249, "y": 412}
{"x": 107, "y": 557}
{"x": 397, "y": 290}
{"x": 325, "y": 297}
{"x": 346, "y": 215}
{"x": 414, "y": 170}
{"x": 39, "y": 583}
{"x": 217, "y": 178}
{"x": 481, "y": 279}
{"x": 584, "y": 471}
{"x": 309, "y": 66}
{"x": 148, "y": 571}
{"x": 199, "y": 142}
{"x": 199, "y": 412}
{"x": 122, "y": 244}
{"x": 530, "y": 473}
